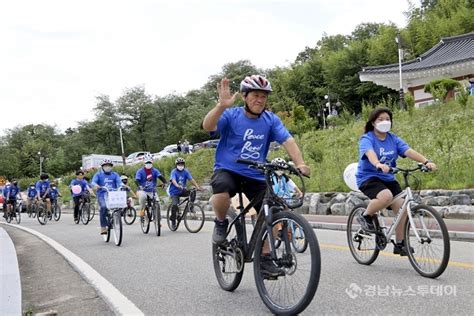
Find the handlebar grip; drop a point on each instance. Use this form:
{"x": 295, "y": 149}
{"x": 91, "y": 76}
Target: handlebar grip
{"x": 247, "y": 162}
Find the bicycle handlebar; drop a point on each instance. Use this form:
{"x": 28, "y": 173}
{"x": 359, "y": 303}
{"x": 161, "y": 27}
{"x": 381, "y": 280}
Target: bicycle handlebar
{"x": 265, "y": 166}
{"x": 420, "y": 166}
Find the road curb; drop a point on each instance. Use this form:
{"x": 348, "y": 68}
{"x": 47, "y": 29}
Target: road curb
{"x": 118, "y": 302}
{"x": 10, "y": 285}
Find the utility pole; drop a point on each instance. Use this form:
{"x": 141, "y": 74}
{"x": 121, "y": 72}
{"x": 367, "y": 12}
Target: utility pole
{"x": 400, "y": 56}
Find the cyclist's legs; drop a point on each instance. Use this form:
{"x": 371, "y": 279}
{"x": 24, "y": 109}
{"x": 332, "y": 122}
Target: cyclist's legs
{"x": 76, "y": 205}
{"x": 395, "y": 206}
{"x": 174, "y": 206}
{"x": 380, "y": 192}
{"x": 224, "y": 185}
{"x": 103, "y": 211}
{"x": 48, "y": 204}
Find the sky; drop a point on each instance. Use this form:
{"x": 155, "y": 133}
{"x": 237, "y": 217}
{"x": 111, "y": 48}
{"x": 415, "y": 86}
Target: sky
{"x": 56, "y": 56}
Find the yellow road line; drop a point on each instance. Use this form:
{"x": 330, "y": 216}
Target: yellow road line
{"x": 386, "y": 254}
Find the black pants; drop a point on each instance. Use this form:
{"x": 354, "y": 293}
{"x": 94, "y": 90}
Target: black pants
{"x": 77, "y": 201}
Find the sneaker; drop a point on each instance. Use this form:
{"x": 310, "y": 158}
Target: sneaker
{"x": 400, "y": 249}
{"x": 103, "y": 230}
{"x": 366, "y": 222}
{"x": 269, "y": 269}
{"x": 173, "y": 223}
{"x": 220, "y": 231}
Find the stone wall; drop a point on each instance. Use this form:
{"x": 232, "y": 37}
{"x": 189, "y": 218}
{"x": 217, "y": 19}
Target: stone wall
{"x": 449, "y": 203}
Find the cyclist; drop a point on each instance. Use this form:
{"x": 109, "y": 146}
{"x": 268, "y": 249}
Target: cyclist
{"x": 246, "y": 133}
{"x": 10, "y": 194}
{"x": 31, "y": 193}
{"x": 54, "y": 193}
{"x": 105, "y": 179}
{"x": 146, "y": 180}
{"x": 43, "y": 189}
{"x": 127, "y": 188}
{"x": 378, "y": 152}
{"x": 79, "y": 181}
{"x": 178, "y": 179}
{"x": 283, "y": 186}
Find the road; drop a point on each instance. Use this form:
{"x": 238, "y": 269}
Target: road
{"x": 173, "y": 274}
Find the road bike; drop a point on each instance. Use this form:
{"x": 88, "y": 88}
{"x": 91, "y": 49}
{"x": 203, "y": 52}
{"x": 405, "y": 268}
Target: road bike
{"x": 152, "y": 214}
{"x": 425, "y": 233}
{"x": 192, "y": 214}
{"x": 292, "y": 284}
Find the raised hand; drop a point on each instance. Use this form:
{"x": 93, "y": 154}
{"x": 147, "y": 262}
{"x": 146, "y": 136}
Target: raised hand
{"x": 225, "y": 98}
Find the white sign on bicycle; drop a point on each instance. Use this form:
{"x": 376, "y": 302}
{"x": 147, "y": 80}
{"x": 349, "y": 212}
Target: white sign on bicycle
{"x": 116, "y": 199}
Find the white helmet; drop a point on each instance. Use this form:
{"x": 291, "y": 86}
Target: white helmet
{"x": 106, "y": 161}
{"x": 255, "y": 82}
{"x": 280, "y": 162}
{"x": 123, "y": 177}
{"x": 148, "y": 158}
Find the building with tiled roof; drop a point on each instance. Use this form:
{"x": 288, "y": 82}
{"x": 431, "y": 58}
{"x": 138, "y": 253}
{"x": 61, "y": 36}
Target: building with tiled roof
{"x": 452, "y": 57}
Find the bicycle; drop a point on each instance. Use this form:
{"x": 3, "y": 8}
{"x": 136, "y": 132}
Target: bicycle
{"x": 152, "y": 214}
{"x": 56, "y": 209}
{"x": 15, "y": 212}
{"x": 191, "y": 213}
{"x": 84, "y": 214}
{"x": 114, "y": 220}
{"x": 42, "y": 212}
{"x": 129, "y": 213}
{"x": 293, "y": 288}
{"x": 425, "y": 233}
{"x": 31, "y": 208}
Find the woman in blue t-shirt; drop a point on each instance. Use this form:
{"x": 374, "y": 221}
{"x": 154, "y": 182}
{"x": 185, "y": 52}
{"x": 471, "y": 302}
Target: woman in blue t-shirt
{"x": 378, "y": 152}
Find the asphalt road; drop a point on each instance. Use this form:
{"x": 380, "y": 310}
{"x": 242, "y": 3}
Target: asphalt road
{"x": 173, "y": 274}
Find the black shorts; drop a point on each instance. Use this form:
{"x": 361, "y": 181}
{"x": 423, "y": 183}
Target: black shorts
{"x": 11, "y": 201}
{"x": 373, "y": 186}
{"x": 227, "y": 181}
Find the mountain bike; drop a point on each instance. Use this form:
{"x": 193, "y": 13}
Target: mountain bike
{"x": 31, "y": 208}
{"x": 129, "y": 213}
{"x": 425, "y": 233}
{"x": 114, "y": 220}
{"x": 152, "y": 214}
{"x": 56, "y": 210}
{"x": 192, "y": 214}
{"x": 293, "y": 285}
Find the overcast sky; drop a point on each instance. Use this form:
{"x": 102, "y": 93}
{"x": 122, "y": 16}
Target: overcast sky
{"x": 57, "y": 55}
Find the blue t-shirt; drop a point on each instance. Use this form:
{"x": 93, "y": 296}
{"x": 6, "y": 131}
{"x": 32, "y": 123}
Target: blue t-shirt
{"x": 387, "y": 152}
{"x": 31, "y": 192}
{"x": 42, "y": 187}
{"x": 181, "y": 177}
{"x": 109, "y": 180}
{"x": 82, "y": 183}
{"x": 54, "y": 193}
{"x": 148, "y": 184}
{"x": 246, "y": 138}
{"x": 11, "y": 191}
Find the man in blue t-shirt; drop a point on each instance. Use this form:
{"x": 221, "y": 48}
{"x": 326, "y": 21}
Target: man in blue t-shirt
{"x": 10, "y": 193}
{"x": 178, "y": 179}
{"x": 81, "y": 183}
{"x": 246, "y": 133}
{"x": 105, "y": 180}
{"x": 43, "y": 189}
{"x": 146, "y": 179}
{"x": 31, "y": 193}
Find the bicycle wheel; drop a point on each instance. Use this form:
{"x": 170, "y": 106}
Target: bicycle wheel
{"x": 18, "y": 214}
{"x": 228, "y": 260}
{"x": 85, "y": 213}
{"x": 287, "y": 283}
{"x": 41, "y": 214}
{"x": 194, "y": 219}
{"x": 33, "y": 210}
{"x": 145, "y": 221}
{"x": 431, "y": 247}
{"x": 57, "y": 212}
{"x": 157, "y": 218}
{"x": 107, "y": 236}
{"x": 362, "y": 245}
{"x": 117, "y": 227}
{"x": 92, "y": 211}
{"x": 168, "y": 219}
{"x": 298, "y": 239}
{"x": 129, "y": 215}
{"x": 8, "y": 218}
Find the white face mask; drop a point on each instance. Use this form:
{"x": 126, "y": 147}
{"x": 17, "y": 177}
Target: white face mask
{"x": 180, "y": 168}
{"x": 148, "y": 165}
{"x": 383, "y": 126}
{"x": 107, "y": 169}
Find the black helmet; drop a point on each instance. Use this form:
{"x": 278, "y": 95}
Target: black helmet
{"x": 44, "y": 176}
